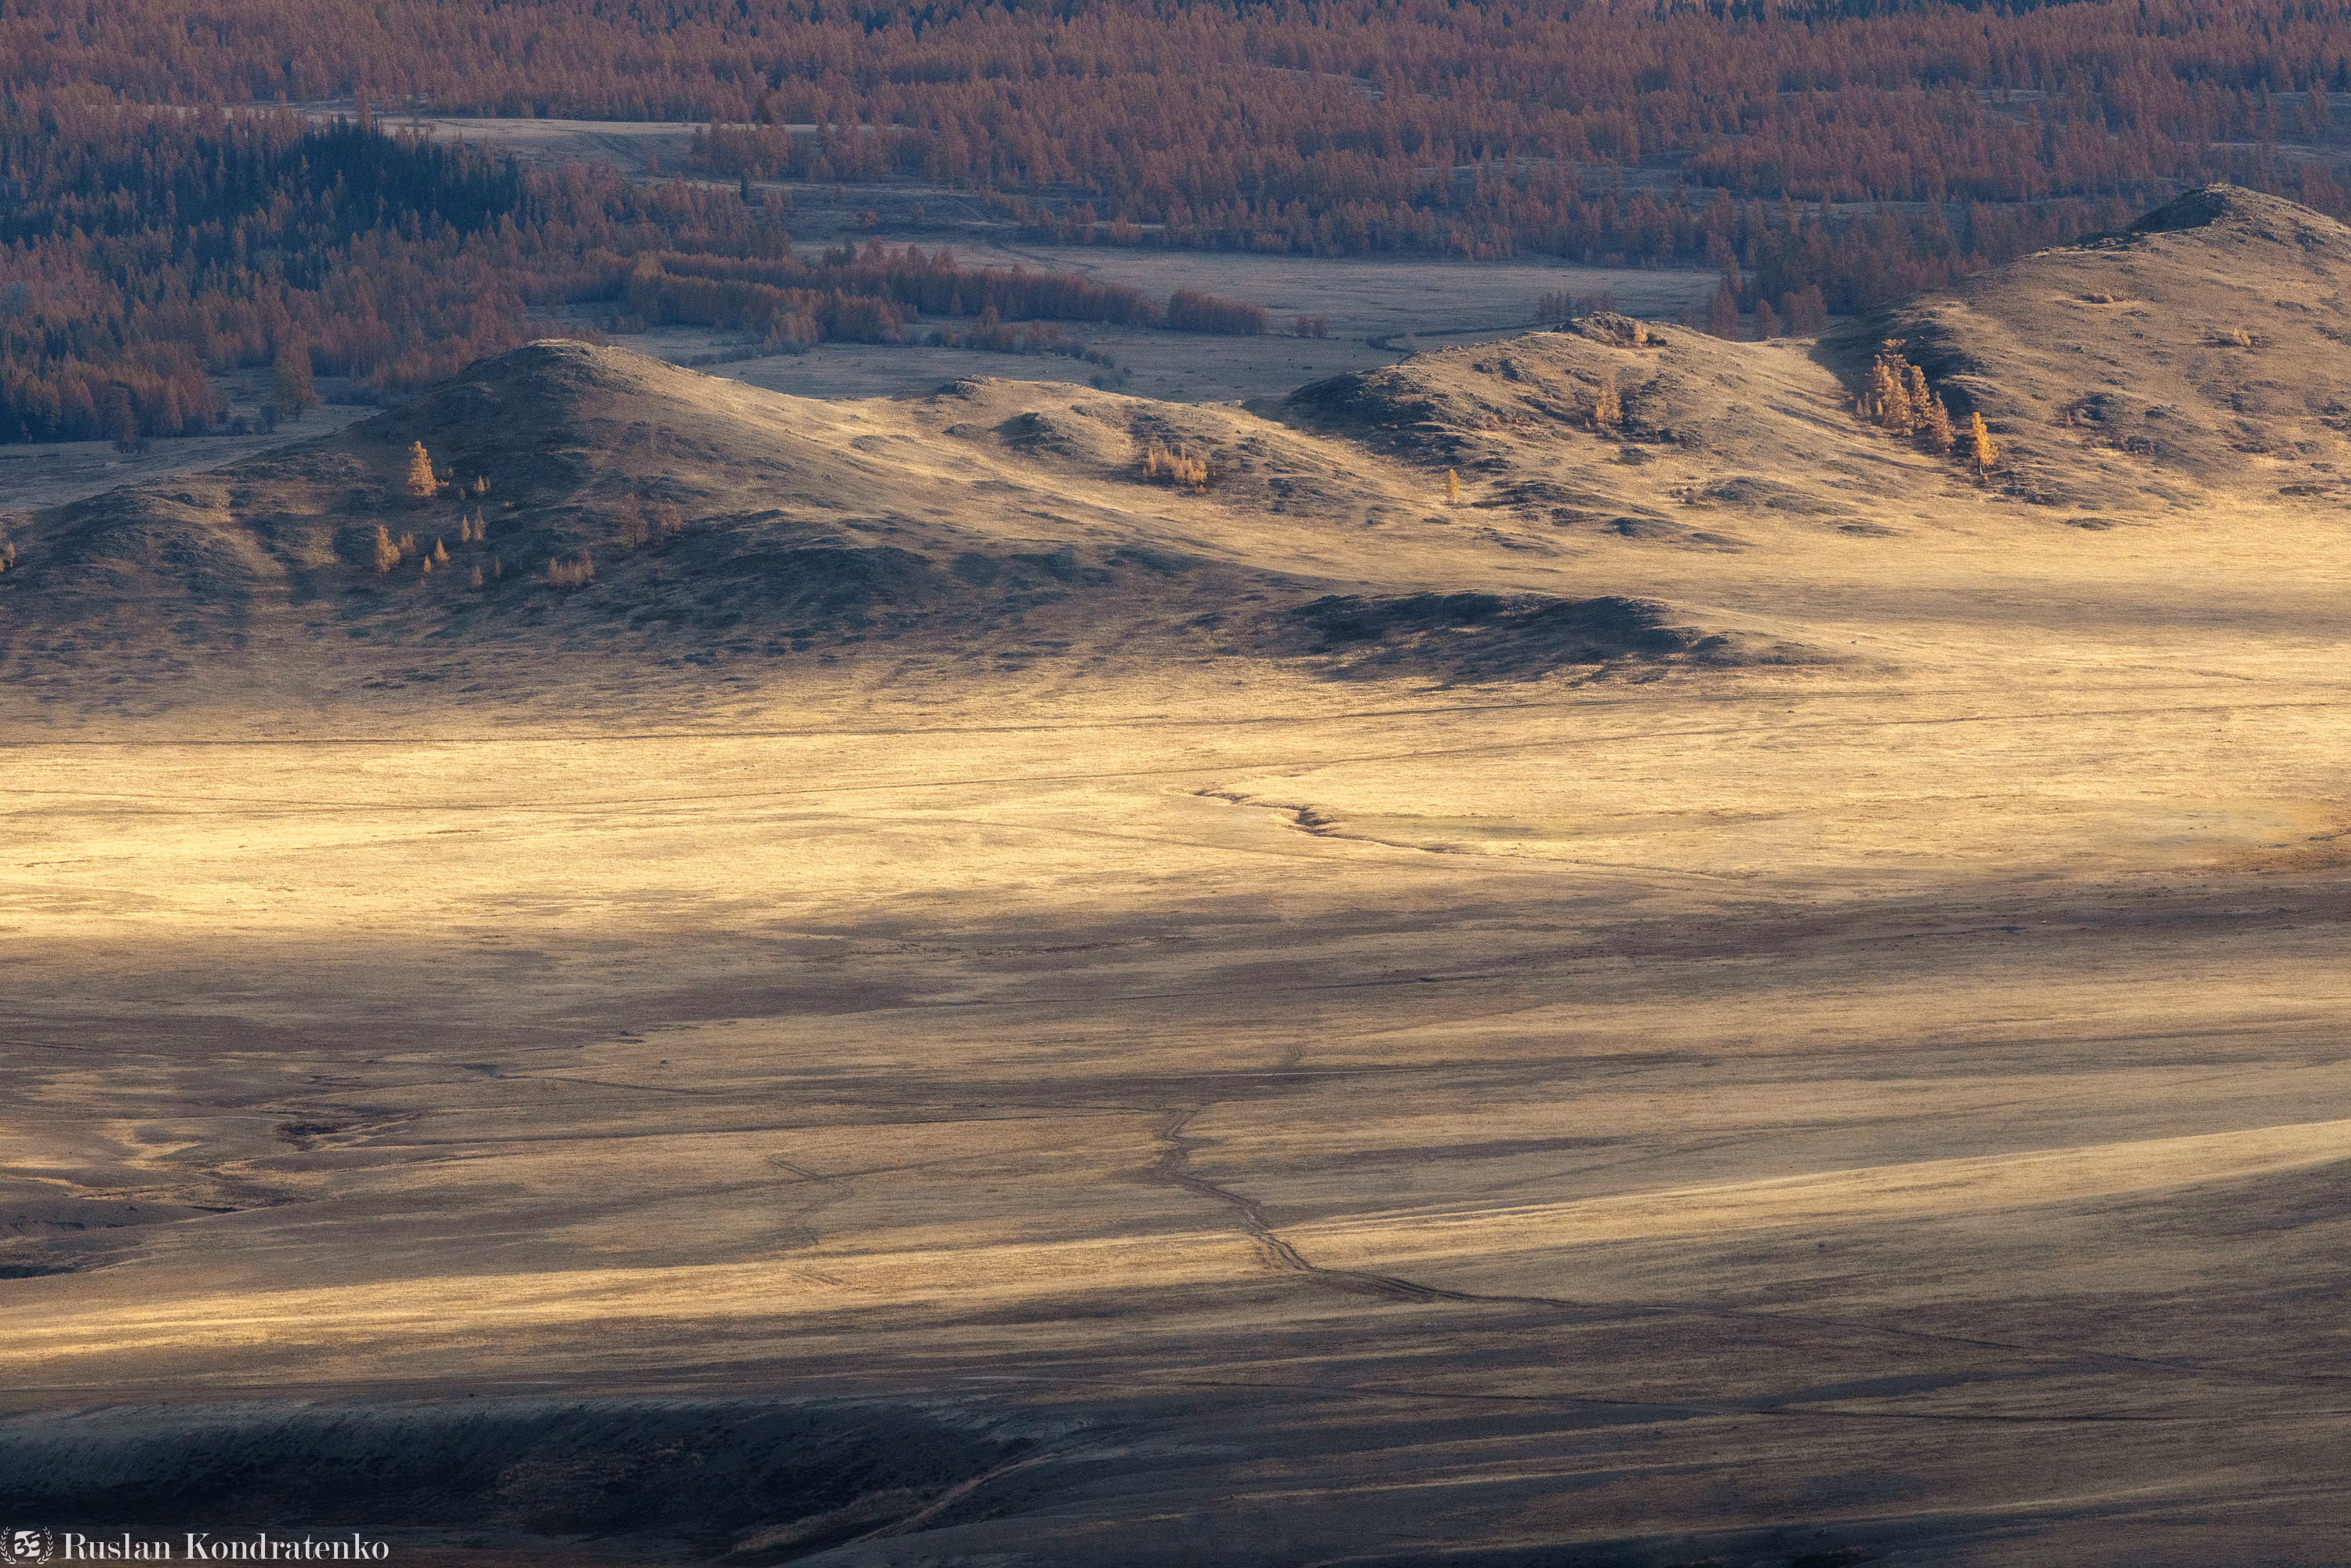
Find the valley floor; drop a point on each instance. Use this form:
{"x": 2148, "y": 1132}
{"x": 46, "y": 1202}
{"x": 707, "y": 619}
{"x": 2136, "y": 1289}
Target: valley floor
{"x": 1738, "y": 1115}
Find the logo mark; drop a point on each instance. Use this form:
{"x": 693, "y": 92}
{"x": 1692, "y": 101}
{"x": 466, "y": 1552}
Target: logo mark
{"x": 26, "y": 1548}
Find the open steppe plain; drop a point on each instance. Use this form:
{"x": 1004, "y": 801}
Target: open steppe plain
{"x": 1735, "y": 996}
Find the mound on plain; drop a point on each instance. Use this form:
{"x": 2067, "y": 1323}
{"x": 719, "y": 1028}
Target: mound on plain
{"x": 2201, "y": 351}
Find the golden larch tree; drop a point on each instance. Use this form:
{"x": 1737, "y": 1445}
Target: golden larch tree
{"x": 1981, "y": 451}
{"x": 1452, "y": 488}
{"x": 387, "y": 554}
{"x": 1889, "y": 400}
{"x": 1920, "y": 398}
{"x": 420, "y": 482}
{"x": 291, "y": 389}
{"x": 1939, "y": 431}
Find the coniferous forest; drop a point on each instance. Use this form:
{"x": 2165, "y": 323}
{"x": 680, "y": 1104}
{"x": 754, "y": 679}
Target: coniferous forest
{"x": 161, "y": 220}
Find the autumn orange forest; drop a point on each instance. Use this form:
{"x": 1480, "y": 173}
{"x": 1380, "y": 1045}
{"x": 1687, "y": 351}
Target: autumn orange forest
{"x": 165, "y": 216}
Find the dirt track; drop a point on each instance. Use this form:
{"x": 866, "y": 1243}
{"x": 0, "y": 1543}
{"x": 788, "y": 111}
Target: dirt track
{"x": 836, "y": 1062}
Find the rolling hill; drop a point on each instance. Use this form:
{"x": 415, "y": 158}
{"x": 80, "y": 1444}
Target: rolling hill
{"x": 2193, "y": 360}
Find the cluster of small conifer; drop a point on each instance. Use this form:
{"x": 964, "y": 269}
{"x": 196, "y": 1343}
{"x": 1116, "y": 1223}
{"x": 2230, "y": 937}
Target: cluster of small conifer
{"x": 422, "y": 484}
{"x": 1897, "y": 400}
{"x": 1182, "y": 467}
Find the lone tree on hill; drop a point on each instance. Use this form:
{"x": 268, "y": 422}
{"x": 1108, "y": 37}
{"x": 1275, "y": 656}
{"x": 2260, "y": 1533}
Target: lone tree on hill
{"x": 1981, "y": 451}
{"x": 1452, "y": 488}
{"x": 289, "y": 382}
{"x": 420, "y": 482}
{"x": 117, "y": 421}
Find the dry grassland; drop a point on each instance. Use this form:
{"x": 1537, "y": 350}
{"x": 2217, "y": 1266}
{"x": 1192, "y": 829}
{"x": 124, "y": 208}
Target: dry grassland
{"x": 1312, "y": 1085}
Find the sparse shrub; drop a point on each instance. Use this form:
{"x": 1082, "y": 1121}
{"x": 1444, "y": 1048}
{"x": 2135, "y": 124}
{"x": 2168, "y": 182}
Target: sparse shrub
{"x": 9, "y": 556}
{"x": 387, "y": 554}
{"x": 667, "y": 520}
{"x": 570, "y": 574}
{"x": 420, "y": 482}
{"x": 629, "y": 523}
{"x": 1176, "y": 468}
{"x": 476, "y": 581}
{"x": 1311, "y": 326}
